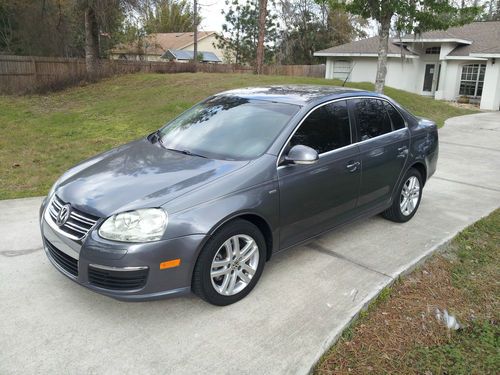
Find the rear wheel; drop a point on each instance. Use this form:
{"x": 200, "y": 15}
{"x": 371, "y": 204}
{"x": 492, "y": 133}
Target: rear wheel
{"x": 407, "y": 199}
{"x": 230, "y": 264}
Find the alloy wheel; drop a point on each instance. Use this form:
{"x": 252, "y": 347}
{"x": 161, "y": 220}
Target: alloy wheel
{"x": 410, "y": 194}
{"x": 234, "y": 264}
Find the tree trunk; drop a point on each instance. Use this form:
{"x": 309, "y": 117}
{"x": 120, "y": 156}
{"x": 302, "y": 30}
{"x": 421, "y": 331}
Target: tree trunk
{"x": 195, "y": 35}
{"x": 260, "y": 42}
{"x": 91, "y": 42}
{"x": 383, "y": 46}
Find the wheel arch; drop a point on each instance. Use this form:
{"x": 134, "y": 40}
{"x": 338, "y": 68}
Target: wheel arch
{"x": 256, "y": 220}
{"x": 420, "y": 166}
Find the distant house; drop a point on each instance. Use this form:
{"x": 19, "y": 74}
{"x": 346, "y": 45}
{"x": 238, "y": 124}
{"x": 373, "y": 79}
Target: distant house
{"x": 184, "y": 56}
{"x": 461, "y": 61}
{"x": 154, "y": 46}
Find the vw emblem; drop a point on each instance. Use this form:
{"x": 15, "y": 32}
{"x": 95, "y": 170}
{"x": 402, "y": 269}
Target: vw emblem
{"x": 63, "y": 215}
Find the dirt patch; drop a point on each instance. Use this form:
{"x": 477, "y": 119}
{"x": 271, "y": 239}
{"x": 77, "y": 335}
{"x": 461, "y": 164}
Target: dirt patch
{"x": 465, "y": 105}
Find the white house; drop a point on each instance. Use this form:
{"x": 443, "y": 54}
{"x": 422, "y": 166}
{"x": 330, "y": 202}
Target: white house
{"x": 461, "y": 61}
{"x": 153, "y": 47}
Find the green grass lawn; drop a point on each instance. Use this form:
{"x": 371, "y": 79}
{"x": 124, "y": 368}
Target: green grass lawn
{"x": 43, "y": 135}
{"x": 399, "y": 334}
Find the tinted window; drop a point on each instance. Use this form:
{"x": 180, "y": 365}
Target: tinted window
{"x": 397, "y": 120}
{"x": 228, "y": 127}
{"x": 325, "y": 129}
{"x": 373, "y": 119}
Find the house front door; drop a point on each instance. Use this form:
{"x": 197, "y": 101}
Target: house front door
{"x": 429, "y": 77}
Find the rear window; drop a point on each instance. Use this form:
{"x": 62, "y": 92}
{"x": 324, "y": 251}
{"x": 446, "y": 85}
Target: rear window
{"x": 397, "y": 121}
{"x": 373, "y": 119}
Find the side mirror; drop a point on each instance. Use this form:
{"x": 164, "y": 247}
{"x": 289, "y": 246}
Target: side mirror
{"x": 300, "y": 154}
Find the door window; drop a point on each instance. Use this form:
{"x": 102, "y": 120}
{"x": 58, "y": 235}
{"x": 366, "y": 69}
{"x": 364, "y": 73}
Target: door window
{"x": 397, "y": 120}
{"x": 373, "y": 119}
{"x": 326, "y": 128}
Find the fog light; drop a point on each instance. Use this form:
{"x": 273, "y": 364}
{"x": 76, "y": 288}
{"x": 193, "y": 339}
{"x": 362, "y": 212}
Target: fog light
{"x": 170, "y": 264}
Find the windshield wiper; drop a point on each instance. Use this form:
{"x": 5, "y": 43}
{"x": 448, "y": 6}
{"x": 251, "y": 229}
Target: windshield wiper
{"x": 155, "y": 137}
{"x": 185, "y": 152}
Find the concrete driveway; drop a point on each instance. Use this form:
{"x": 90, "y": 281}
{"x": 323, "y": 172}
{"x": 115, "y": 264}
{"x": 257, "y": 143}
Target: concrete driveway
{"x": 307, "y": 295}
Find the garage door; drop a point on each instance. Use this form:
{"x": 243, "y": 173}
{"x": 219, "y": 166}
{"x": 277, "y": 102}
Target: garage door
{"x": 341, "y": 69}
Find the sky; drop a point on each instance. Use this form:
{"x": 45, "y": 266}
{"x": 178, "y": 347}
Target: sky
{"x": 212, "y": 19}
{"x": 210, "y": 10}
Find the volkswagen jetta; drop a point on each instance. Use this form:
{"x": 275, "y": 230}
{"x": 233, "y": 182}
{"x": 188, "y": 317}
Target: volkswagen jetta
{"x": 201, "y": 204}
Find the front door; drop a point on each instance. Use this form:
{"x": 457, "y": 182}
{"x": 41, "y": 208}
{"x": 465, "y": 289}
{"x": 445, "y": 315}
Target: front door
{"x": 314, "y": 198}
{"x": 429, "y": 77}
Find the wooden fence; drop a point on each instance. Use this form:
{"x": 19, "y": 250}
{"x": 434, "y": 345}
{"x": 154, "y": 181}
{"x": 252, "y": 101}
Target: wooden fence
{"x": 296, "y": 70}
{"x": 27, "y": 74}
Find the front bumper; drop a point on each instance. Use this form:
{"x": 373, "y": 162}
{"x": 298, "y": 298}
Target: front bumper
{"x": 124, "y": 271}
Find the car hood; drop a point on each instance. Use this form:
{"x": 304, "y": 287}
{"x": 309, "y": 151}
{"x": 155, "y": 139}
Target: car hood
{"x": 136, "y": 175}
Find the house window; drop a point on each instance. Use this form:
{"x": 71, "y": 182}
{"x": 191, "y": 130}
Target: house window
{"x": 433, "y": 50}
{"x": 472, "y": 79}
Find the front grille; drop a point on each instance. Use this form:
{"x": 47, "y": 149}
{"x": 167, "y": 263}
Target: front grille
{"x": 118, "y": 280}
{"x": 66, "y": 262}
{"x": 78, "y": 224}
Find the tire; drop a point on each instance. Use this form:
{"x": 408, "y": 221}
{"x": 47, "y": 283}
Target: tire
{"x": 219, "y": 255}
{"x": 401, "y": 215}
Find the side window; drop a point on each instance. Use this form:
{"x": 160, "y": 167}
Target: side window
{"x": 397, "y": 121}
{"x": 325, "y": 129}
{"x": 373, "y": 119}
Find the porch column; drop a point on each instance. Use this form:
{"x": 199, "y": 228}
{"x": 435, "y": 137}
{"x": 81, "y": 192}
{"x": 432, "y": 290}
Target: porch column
{"x": 490, "y": 98}
{"x": 329, "y": 68}
{"x": 440, "y": 94}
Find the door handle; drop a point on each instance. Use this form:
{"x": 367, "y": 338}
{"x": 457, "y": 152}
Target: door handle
{"x": 352, "y": 165}
{"x": 402, "y": 151}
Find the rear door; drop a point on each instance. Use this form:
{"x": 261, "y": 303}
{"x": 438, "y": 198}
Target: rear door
{"x": 314, "y": 198}
{"x": 383, "y": 145}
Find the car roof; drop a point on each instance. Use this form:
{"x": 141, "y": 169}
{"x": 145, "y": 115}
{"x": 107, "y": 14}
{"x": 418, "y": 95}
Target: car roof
{"x": 296, "y": 94}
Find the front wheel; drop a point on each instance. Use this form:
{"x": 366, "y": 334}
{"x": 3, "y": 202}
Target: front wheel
{"x": 230, "y": 264}
{"x": 407, "y": 198}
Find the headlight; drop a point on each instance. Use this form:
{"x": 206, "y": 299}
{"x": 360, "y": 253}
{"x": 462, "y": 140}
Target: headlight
{"x": 143, "y": 225}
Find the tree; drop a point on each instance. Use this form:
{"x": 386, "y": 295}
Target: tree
{"x": 91, "y": 41}
{"x": 492, "y": 11}
{"x": 195, "y": 37}
{"x": 45, "y": 28}
{"x": 240, "y": 32}
{"x": 57, "y": 27}
{"x": 309, "y": 26}
{"x": 410, "y": 16}
{"x": 100, "y": 15}
{"x": 6, "y": 26}
{"x": 168, "y": 16}
{"x": 262, "y": 31}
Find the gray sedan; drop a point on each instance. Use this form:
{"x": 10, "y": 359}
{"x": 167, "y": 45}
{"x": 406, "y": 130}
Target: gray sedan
{"x": 201, "y": 204}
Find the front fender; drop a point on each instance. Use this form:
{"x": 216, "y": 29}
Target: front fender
{"x": 261, "y": 200}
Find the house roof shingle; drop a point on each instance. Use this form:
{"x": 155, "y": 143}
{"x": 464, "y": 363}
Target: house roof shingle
{"x": 158, "y": 43}
{"x": 484, "y": 38}
{"x": 364, "y": 46}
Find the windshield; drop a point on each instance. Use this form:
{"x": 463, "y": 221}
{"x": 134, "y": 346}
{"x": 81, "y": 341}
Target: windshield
{"x": 227, "y": 127}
